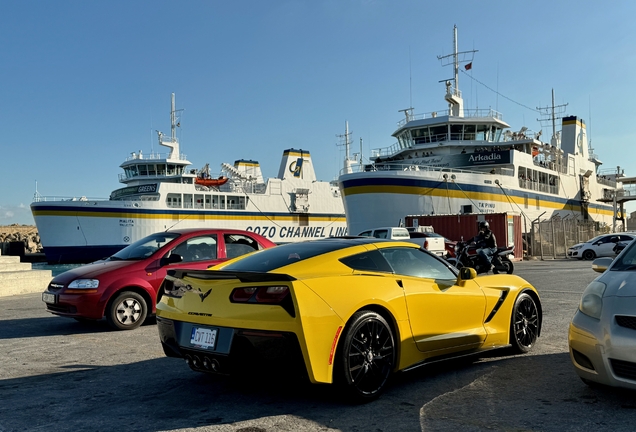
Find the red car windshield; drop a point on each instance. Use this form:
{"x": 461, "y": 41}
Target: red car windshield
{"x": 145, "y": 247}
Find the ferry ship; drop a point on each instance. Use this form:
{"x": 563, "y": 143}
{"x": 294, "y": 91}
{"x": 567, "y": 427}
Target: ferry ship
{"x": 459, "y": 161}
{"x": 162, "y": 192}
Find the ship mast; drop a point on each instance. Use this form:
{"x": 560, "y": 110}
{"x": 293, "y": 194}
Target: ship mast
{"x": 173, "y": 144}
{"x": 453, "y": 95}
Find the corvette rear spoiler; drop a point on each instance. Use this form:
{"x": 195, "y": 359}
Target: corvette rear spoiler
{"x": 243, "y": 276}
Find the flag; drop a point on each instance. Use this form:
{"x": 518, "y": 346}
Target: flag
{"x": 469, "y": 66}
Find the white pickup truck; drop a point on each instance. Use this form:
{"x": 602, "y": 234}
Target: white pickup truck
{"x": 428, "y": 239}
{"x": 422, "y": 236}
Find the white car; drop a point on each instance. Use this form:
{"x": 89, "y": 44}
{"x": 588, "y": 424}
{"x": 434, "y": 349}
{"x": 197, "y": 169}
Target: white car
{"x": 599, "y": 246}
{"x": 602, "y": 334}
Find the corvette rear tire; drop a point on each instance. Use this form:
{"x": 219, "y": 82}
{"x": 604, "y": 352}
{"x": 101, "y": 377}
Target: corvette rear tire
{"x": 366, "y": 356}
{"x": 524, "y": 324}
{"x": 126, "y": 311}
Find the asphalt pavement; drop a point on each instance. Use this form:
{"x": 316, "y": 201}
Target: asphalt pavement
{"x": 59, "y": 375}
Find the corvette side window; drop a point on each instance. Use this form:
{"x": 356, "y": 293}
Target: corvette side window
{"x": 417, "y": 263}
{"x": 367, "y": 261}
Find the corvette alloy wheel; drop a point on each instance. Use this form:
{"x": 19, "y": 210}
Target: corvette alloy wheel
{"x": 367, "y": 355}
{"x": 524, "y": 326}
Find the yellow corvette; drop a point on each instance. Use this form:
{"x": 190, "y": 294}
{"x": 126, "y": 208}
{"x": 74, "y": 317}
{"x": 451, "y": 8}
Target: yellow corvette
{"x": 349, "y": 311}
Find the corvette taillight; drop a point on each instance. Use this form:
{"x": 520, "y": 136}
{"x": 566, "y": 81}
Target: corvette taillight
{"x": 267, "y": 294}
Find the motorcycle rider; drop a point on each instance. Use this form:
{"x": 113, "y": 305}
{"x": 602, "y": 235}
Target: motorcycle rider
{"x": 486, "y": 244}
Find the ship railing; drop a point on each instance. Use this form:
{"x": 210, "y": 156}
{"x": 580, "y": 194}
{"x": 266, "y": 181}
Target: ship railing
{"x": 539, "y": 187}
{"x": 405, "y": 166}
{"x": 41, "y": 198}
{"x": 627, "y": 191}
{"x": 456, "y": 138}
{"x": 468, "y": 113}
{"x": 159, "y": 175}
{"x": 153, "y": 156}
{"x": 605, "y": 181}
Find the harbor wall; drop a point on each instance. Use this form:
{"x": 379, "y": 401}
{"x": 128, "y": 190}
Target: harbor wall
{"x": 12, "y": 235}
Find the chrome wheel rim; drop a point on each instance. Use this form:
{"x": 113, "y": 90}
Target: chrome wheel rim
{"x": 370, "y": 356}
{"x": 128, "y": 311}
{"x": 526, "y": 322}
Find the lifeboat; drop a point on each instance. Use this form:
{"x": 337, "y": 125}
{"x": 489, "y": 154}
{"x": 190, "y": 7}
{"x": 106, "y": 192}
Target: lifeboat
{"x": 210, "y": 181}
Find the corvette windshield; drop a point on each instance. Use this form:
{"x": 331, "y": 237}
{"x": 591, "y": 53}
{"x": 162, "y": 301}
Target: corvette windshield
{"x": 145, "y": 247}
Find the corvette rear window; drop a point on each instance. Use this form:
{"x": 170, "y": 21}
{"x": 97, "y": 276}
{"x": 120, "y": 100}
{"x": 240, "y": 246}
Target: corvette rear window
{"x": 280, "y": 256}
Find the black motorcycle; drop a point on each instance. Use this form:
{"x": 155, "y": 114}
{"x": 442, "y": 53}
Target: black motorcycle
{"x": 466, "y": 256}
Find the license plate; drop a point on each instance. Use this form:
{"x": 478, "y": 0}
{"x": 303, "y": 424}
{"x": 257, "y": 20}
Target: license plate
{"x": 48, "y": 298}
{"x": 203, "y": 337}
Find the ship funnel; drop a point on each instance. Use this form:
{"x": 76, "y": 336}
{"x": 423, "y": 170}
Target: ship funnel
{"x": 574, "y": 136}
{"x": 296, "y": 164}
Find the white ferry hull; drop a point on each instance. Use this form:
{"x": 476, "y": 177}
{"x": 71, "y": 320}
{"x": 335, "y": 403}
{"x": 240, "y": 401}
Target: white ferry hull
{"x": 385, "y": 198}
{"x": 85, "y": 231}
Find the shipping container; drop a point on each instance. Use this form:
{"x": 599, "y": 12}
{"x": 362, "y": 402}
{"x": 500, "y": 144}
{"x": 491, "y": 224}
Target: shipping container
{"x": 506, "y": 227}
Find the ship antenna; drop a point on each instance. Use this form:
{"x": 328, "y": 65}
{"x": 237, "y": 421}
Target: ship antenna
{"x": 551, "y": 114}
{"x": 345, "y": 140}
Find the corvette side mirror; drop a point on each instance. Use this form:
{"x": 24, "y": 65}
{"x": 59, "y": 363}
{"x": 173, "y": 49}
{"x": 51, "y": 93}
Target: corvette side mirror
{"x": 466, "y": 273}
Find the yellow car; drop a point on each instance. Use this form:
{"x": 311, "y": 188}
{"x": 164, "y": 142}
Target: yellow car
{"x": 348, "y": 311}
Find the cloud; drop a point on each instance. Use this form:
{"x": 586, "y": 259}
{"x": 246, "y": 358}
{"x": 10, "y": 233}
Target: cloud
{"x": 16, "y": 214}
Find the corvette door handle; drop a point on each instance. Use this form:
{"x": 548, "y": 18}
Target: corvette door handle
{"x": 399, "y": 282}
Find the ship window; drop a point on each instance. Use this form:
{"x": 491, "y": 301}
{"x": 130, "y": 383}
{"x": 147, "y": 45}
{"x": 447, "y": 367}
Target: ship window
{"x": 457, "y": 132}
{"x": 143, "y": 170}
{"x": 466, "y": 209}
{"x": 208, "y": 202}
{"x": 218, "y": 201}
{"x": 187, "y": 201}
{"x": 496, "y": 134}
{"x": 151, "y": 170}
{"x": 161, "y": 169}
{"x": 235, "y": 202}
{"x": 469, "y": 131}
{"x": 173, "y": 200}
{"x": 132, "y": 171}
{"x": 198, "y": 201}
{"x": 405, "y": 140}
{"x": 172, "y": 169}
{"x": 439, "y": 133}
{"x": 482, "y": 133}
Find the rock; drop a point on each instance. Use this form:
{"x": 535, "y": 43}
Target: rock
{"x": 24, "y": 233}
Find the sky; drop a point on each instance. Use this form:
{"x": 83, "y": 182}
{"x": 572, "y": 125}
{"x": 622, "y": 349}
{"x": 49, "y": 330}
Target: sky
{"x": 86, "y": 83}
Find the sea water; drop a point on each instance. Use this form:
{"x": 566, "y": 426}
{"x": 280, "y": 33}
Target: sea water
{"x": 56, "y": 269}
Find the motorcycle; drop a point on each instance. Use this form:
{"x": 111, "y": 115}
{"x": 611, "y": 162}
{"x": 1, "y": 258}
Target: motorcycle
{"x": 466, "y": 256}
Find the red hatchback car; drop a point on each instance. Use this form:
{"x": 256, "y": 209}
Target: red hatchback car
{"x": 124, "y": 287}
